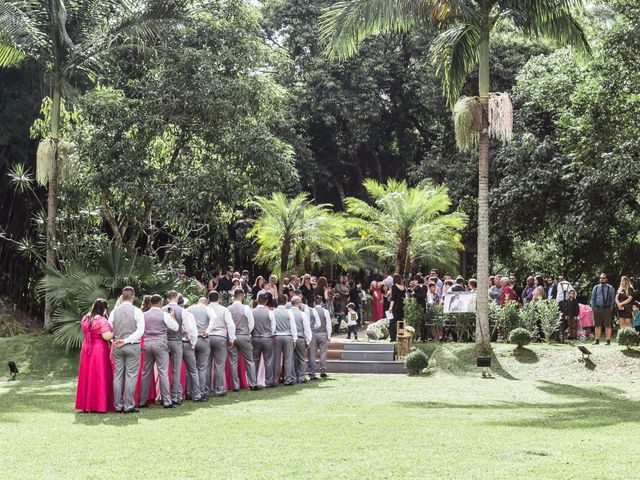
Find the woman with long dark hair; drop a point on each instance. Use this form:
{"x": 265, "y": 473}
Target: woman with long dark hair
{"x": 398, "y": 293}
{"x": 257, "y": 286}
{"x": 95, "y": 372}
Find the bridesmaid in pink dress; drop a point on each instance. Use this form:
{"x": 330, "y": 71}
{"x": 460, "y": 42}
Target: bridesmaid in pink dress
{"x": 95, "y": 373}
{"x": 377, "y": 310}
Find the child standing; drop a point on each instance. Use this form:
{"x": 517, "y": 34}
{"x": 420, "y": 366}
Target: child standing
{"x": 635, "y": 308}
{"x": 352, "y": 321}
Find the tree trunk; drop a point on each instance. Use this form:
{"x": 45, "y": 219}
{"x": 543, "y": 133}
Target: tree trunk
{"x": 483, "y": 338}
{"x": 284, "y": 261}
{"x": 401, "y": 260}
{"x": 52, "y": 204}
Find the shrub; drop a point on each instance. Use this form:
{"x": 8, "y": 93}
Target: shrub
{"x": 415, "y": 315}
{"x": 416, "y": 361}
{"x": 520, "y": 336}
{"x": 9, "y": 327}
{"x": 439, "y": 320}
{"x": 628, "y": 337}
{"x": 508, "y": 318}
{"x": 529, "y": 316}
{"x": 550, "y": 317}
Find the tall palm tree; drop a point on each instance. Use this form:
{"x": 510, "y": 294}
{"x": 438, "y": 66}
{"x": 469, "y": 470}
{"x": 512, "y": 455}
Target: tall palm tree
{"x": 406, "y": 224}
{"x": 289, "y": 230}
{"x": 462, "y": 45}
{"x": 70, "y": 39}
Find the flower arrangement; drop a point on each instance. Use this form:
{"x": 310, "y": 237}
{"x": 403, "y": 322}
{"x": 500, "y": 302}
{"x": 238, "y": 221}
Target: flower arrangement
{"x": 380, "y": 329}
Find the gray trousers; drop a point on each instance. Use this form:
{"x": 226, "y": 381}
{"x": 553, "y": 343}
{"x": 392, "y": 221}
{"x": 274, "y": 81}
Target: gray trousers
{"x": 283, "y": 354}
{"x": 217, "y": 356}
{"x": 175, "y": 355}
{"x": 299, "y": 360}
{"x": 192, "y": 382}
{"x": 263, "y": 346}
{"x": 243, "y": 344}
{"x": 203, "y": 349}
{"x": 126, "y": 362}
{"x": 319, "y": 341}
{"x": 155, "y": 352}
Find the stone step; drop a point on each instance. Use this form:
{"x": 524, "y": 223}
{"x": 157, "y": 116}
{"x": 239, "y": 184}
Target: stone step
{"x": 368, "y": 355}
{"x": 355, "y": 366}
{"x": 369, "y": 346}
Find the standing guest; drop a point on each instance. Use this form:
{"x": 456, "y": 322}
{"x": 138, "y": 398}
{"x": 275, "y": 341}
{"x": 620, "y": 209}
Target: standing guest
{"x": 127, "y": 322}
{"x": 146, "y": 303}
{"x": 420, "y": 291}
{"x": 156, "y": 350}
{"x": 246, "y": 285}
{"x": 181, "y": 345}
{"x": 244, "y": 323}
{"x": 320, "y": 338}
{"x": 221, "y": 338}
{"x": 459, "y": 285}
{"x": 377, "y": 304}
{"x": 386, "y": 296}
{"x": 433, "y": 298}
{"x": 272, "y": 286}
{"x": 435, "y": 274}
{"x": 538, "y": 290}
{"x": 264, "y": 329}
{"x": 448, "y": 285}
{"x": 352, "y": 321}
{"x": 494, "y": 288}
{"x": 571, "y": 310}
{"x": 341, "y": 297}
{"x": 552, "y": 287}
{"x": 636, "y": 316}
{"x": 624, "y": 299}
{"x": 307, "y": 289}
{"x": 602, "y": 303}
{"x": 294, "y": 282}
{"x": 398, "y": 294}
{"x": 473, "y": 285}
{"x": 388, "y": 281}
{"x": 205, "y": 321}
{"x": 516, "y": 287}
{"x": 506, "y": 292}
{"x": 354, "y": 297}
{"x": 560, "y": 296}
{"x": 303, "y": 329}
{"x": 527, "y": 294}
{"x": 322, "y": 289}
{"x": 226, "y": 281}
{"x": 257, "y": 286}
{"x": 94, "y": 392}
{"x": 212, "y": 285}
{"x": 285, "y": 339}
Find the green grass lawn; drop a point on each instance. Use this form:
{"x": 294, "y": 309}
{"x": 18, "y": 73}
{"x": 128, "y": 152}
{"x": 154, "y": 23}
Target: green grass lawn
{"x": 544, "y": 415}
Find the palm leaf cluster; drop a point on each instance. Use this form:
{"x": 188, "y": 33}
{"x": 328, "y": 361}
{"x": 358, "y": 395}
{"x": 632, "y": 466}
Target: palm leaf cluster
{"x": 407, "y": 225}
{"x": 73, "y": 289}
{"x": 294, "y": 233}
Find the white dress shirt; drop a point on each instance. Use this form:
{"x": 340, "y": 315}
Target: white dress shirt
{"x": 139, "y": 318}
{"x": 189, "y": 328}
{"x": 272, "y": 319}
{"x": 247, "y": 312}
{"x": 225, "y": 314}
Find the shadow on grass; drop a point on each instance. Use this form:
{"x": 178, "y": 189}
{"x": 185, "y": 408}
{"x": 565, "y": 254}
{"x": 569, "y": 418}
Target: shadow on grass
{"x": 572, "y": 407}
{"x": 31, "y": 396}
{"x": 631, "y": 352}
{"x": 525, "y": 355}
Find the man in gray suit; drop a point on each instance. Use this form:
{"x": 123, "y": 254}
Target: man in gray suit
{"x": 262, "y": 338}
{"x": 303, "y": 328}
{"x": 205, "y": 319}
{"x": 243, "y": 321}
{"x": 221, "y": 338}
{"x": 321, "y": 336}
{"x": 156, "y": 350}
{"x": 127, "y": 322}
{"x": 285, "y": 338}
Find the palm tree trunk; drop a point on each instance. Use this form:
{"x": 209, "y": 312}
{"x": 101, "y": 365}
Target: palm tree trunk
{"x": 52, "y": 204}
{"x": 482, "y": 306}
{"x": 401, "y": 260}
{"x": 284, "y": 261}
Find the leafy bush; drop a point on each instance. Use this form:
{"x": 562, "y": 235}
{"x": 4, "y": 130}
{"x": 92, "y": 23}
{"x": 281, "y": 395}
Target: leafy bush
{"x": 74, "y": 289}
{"x": 508, "y": 318}
{"x": 462, "y": 323}
{"x": 9, "y": 327}
{"x": 529, "y": 316}
{"x": 415, "y": 315}
{"x": 520, "y": 336}
{"x": 438, "y": 318}
{"x": 550, "y": 317}
{"x": 416, "y": 361}
{"x": 628, "y": 337}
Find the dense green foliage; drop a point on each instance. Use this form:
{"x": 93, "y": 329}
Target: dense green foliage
{"x": 416, "y": 362}
{"x": 520, "y": 336}
{"x": 628, "y": 337}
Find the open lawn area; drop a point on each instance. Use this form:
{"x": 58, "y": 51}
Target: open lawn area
{"x": 530, "y": 421}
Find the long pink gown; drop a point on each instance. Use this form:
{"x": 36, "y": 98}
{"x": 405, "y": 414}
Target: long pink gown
{"x": 95, "y": 373}
{"x": 377, "y": 307}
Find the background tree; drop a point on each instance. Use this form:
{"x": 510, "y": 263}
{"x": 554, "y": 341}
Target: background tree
{"x": 407, "y": 225}
{"x": 462, "y": 45}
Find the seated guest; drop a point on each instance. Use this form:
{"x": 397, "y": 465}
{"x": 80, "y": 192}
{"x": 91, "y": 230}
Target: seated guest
{"x": 95, "y": 374}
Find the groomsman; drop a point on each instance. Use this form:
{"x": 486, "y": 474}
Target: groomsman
{"x": 156, "y": 350}
{"x": 182, "y": 344}
{"x": 303, "y": 329}
{"x": 127, "y": 322}
{"x": 285, "y": 338}
{"x": 321, "y": 336}
{"x": 262, "y": 338}
{"x": 244, "y": 322}
{"x": 205, "y": 320}
{"x": 221, "y": 337}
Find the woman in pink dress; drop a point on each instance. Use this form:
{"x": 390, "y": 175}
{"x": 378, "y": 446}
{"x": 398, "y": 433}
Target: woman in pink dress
{"x": 377, "y": 310}
{"x": 95, "y": 373}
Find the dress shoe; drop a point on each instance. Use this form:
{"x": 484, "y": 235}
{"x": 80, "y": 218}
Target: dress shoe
{"x": 220, "y": 394}
{"x": 288, "y": 384}
{"x": 236, "y": 389}
{"x": 256, "y": 387}
{"x": 324, "y": 375}
{"x": 596, "y": 342}
{"x": 119, "y": 411}
{"x": 608, "y": 342}
{"x": 146, "y": 405}
{"x": 170, "y": 405}
{"x": 133, "y": 410}
{"x": 304, "y": 381}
